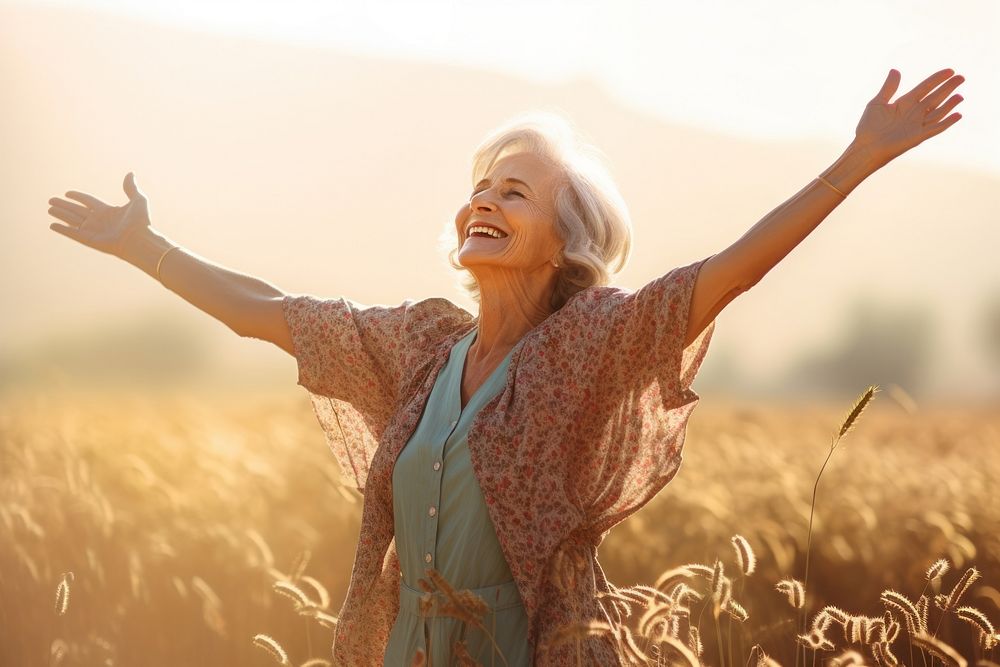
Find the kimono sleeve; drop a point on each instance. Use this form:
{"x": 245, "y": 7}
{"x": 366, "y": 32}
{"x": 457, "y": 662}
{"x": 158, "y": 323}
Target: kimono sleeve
{"x": 353, "y": 360}
{"x": 642, "y": 394}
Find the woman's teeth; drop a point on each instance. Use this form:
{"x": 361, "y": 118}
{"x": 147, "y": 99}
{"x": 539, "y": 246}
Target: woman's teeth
{"x": 486, "y": 231}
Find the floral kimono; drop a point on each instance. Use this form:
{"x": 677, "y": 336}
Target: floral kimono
{"x": 588, "y": 428}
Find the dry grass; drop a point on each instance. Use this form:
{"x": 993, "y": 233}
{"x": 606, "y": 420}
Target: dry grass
{"x": 175, "y": 530}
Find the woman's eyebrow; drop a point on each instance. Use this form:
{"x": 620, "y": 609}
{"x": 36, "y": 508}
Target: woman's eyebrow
{"x": 509, "y": 179}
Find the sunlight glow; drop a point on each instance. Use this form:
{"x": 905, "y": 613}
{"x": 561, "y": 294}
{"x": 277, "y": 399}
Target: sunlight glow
{"x": 733, "y": 67}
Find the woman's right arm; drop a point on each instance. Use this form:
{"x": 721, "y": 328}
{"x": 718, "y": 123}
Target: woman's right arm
{"x": 247, "y": 305}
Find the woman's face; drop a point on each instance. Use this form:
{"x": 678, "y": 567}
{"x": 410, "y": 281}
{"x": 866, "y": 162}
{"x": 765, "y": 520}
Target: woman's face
{"x": 517, "y": 197}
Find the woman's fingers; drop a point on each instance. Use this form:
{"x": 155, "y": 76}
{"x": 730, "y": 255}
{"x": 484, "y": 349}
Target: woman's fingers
{"x": 942, "y": 126}
{"x": 89, "y": 200}
{"x": 67, "y": 216}
{"x": 926, "y": 86}
{"x": 71, "y": 232}
{"x": 73, "y": 207}
{"x": 943, "y": 110}
{"x": 935, "y": 98}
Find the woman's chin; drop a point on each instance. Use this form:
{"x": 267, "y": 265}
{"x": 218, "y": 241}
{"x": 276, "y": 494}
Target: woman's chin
{"x": 485, "y": 243}
{"x": 479, "y": 254}
{"x": 475, "y": 259}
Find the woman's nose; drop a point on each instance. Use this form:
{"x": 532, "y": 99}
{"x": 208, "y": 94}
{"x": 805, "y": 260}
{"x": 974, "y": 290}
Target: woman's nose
{"x": 482, "y": 201}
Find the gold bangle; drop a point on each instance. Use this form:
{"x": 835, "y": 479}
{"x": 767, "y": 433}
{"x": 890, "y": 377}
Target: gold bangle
{"x": 161, "y": 261}
{"x": 835, "y": 188}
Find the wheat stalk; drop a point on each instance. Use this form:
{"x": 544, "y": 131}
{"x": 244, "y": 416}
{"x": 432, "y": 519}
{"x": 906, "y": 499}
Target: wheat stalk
{"x": 681, "y": 593}
{"x": 859, "y": 407}
{"x": 320, "y": 616}
{"x": 922, "y": 606}
{"x": 673, "y": 575}
{"x": 849, "y": 658}
{"x": 901, "y": 603}
{"x": 745, "y": 559}
{"x": 815, "y": 640}
{"x": 852, "y": 417}
{"x": 763, "y": 659}
{"x": 630, "y": 650}
{"x": 575, "y": 631}
{"x": 938, "y": 648}
{"x": 978, "y": 620}
{"x": 462, "y": 604}
{"x": 706, "y": 571}
{"x": 890, "y": 629}
{"x": 462, "y": 656}
{"x": 292, "y": 592}
{"x": 320, "y": 589}
{"x": 836, "y": 613}
{"x": 694, "y": 641}
{"x": 270, "y": 645}
{"x": 795, "y": 591}
{"x": 62, "y": 593}
{"x": 736, "y": 610}
{"x": 299, "y": 566}
{"x": 969, "y": 576}
{"x": 938, "y": 568}
{"x": 884, "y": 655}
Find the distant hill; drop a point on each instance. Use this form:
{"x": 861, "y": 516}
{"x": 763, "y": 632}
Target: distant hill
{"x": 333, "y": 174}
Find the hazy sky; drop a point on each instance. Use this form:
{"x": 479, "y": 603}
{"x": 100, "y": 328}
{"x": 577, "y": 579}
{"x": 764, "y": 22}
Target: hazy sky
{"x": 734, "y": 66}
{"x": 785, "y": 87}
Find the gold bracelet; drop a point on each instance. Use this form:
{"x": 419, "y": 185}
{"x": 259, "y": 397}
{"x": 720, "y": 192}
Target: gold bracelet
{"x": 835, "y": 188}
{"x": 161, "y": 261}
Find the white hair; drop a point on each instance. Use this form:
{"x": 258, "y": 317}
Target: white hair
{"x": 591, "y": 216}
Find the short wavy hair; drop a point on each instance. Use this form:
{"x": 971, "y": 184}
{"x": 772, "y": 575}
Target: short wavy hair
{"x": 592, "y": 219}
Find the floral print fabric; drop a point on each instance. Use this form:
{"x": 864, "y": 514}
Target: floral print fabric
{"x": 588, "y": 428}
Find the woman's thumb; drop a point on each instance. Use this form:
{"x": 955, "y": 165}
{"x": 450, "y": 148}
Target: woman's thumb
{"x": 129, "y": 186}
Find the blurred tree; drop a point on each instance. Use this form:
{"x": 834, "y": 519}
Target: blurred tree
{"x": 880, "y": 345}
{"x": 148, "y": 350}
{"x": 722, "y": 373}
{"x": 990, "y": 329}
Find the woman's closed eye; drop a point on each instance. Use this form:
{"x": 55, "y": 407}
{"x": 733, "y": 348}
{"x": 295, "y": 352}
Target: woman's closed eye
{"x": 509, "y": 192}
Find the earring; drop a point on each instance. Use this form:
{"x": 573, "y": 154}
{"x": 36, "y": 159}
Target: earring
{"x": 554, "y": 264}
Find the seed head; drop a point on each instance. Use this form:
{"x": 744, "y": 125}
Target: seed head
{"x": 858, "y": 408}
{"x": 745, "y": 559}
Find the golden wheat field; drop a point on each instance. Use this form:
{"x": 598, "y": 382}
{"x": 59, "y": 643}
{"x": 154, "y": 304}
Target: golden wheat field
{"x": 175, "y": 529}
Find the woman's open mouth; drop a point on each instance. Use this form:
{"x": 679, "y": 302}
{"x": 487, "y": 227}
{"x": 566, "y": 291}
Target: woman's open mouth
{"x": 482, "y": 231}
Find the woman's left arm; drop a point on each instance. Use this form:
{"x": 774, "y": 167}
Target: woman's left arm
{"x": 886, "y": 131}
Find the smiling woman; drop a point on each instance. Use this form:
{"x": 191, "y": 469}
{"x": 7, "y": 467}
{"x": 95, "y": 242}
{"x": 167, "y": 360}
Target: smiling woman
{"x": 490, "y": 447}
{"x": 499, "y": 449}
{"x": 536, "y": 165}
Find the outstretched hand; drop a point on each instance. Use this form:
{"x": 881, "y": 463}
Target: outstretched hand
{"x": 890, "y": 129}
{"x": 97, "y": 224}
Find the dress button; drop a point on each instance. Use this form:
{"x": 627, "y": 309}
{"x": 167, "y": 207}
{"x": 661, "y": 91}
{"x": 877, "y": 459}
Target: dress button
{"x": 428, "y": 557}
{"x": 437, "y": 465}
{"x": 432, "y": 511}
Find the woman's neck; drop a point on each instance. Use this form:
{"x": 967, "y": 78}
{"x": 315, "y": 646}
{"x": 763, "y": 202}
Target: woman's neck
{"x": 505, "y": 317}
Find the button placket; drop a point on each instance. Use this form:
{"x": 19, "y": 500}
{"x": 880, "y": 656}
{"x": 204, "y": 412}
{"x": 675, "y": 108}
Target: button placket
{"x": 434, "y": 502}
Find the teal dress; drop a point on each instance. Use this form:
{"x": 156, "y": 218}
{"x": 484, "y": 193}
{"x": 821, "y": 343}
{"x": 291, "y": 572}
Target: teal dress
{"x": 441, "y": 521}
